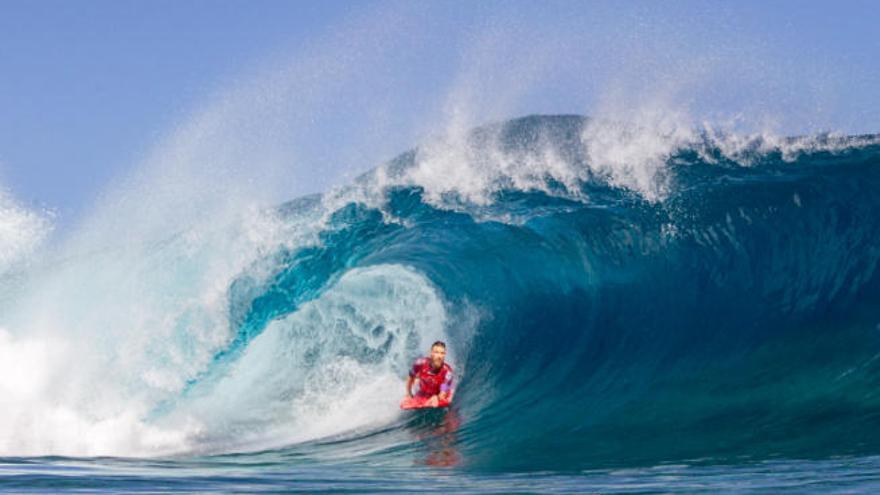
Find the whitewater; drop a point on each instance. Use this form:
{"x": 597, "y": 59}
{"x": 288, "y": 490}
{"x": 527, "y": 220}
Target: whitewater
{"x": 627, "y": 304}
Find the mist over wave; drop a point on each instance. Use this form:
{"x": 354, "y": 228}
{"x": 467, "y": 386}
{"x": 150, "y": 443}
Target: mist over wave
{"x": 21, "y": 231}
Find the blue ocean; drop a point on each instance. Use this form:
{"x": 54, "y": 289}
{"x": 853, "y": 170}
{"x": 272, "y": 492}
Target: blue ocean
{"x": 626, "y": 311}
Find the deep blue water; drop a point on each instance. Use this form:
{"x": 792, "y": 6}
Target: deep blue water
{"x": 721, "y": 336}
{"x": 281, "y": 474}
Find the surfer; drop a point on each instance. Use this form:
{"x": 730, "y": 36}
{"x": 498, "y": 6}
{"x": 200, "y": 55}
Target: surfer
{"x": 434, "y": 376}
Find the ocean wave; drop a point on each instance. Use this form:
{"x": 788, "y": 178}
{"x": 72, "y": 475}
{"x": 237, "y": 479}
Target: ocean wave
{"x": 611, "y": 293}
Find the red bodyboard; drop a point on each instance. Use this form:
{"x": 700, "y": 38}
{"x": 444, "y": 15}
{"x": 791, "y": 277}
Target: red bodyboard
{"x": 421, "y": 403}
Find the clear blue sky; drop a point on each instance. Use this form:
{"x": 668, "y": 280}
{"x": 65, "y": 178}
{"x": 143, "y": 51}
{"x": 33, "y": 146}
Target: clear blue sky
{"x": 88, "y": 89}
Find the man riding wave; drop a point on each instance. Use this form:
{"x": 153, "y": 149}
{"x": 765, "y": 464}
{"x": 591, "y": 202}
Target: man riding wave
{"x": 434, "y": 376}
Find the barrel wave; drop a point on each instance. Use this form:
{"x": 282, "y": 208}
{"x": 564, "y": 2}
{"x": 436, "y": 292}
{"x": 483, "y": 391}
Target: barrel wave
{"x": 715, "y": 297}
{"x": 732, "y": 314}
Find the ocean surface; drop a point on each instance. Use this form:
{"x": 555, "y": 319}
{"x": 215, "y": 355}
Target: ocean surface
{"x": 627, "y": 311}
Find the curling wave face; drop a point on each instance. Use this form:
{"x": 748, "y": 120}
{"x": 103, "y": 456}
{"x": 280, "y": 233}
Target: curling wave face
{"x": 611, "y": 294}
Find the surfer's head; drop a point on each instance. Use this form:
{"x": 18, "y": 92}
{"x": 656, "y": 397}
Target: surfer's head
{"x": 438, "y": 353}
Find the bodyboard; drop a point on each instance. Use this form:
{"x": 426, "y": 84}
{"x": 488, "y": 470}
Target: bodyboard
{"x": 422, "y": 403}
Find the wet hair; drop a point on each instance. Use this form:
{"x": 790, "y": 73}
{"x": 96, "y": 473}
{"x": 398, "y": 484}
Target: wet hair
{"x": 440, "y": 343}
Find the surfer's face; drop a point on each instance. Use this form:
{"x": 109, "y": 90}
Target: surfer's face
{"x": 438, "y": 354}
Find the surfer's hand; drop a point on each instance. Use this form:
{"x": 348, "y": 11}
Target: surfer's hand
{"x": 434, "y": 401}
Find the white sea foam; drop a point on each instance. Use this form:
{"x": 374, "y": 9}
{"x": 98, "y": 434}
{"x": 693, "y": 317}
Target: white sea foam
{"x": 458, "y": 172}
{"x": 98, "y": 338}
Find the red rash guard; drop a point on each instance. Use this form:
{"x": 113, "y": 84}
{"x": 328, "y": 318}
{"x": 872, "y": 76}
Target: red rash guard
{"x": 431, "y": 382}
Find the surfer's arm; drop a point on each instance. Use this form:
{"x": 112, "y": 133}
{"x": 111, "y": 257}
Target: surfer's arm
{"x": 413, "y": 375}
{"x": 446, "y": 388}
{"x": 409, "y": 384}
